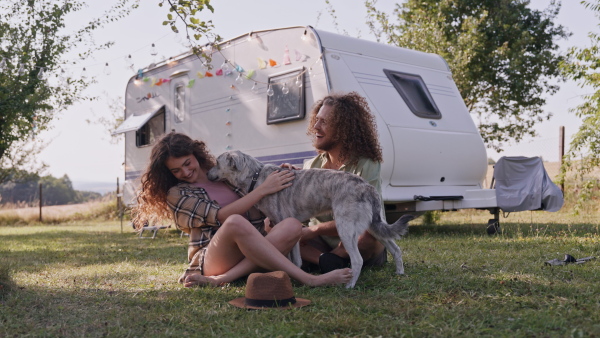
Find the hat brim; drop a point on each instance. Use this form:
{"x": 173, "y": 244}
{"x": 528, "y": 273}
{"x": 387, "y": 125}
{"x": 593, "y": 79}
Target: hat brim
{"x": 241, "y": 303}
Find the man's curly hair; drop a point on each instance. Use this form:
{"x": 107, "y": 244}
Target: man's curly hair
{"x": 158, "y": 179}
{"x": 355, "y": 126}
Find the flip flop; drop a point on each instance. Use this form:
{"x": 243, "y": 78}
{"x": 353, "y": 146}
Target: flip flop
{"x": 568, "y": 259}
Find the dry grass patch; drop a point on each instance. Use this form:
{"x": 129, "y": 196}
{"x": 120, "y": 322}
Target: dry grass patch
{"x": 58, "y": 213}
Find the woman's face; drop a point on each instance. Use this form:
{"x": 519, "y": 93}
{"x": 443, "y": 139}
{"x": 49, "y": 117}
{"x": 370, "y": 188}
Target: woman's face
{"x": 186, "y": 168}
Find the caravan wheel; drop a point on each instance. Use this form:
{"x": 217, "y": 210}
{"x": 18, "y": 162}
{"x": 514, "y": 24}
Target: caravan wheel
{"x": 493, "y": 226}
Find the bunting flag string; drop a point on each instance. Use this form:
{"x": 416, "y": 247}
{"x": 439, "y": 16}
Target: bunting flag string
{"x": 227, "y": 68}
{"x": 61, "y": 71}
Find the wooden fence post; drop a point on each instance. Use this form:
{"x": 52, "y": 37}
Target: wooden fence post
{"x": 561, "y": 152}
{"x": 41, "y": 202}
{"x": 119, "y": 205}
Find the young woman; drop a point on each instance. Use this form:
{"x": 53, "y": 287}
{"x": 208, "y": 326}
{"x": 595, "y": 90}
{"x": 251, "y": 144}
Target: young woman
{"x": 229, "y": 238}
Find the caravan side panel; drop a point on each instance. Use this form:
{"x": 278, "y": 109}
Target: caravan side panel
{"x": 445, "y": 152}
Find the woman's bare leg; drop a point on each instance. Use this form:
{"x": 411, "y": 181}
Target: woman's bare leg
{"x": 283, "y": 237}
{"x": 237, "y": 238}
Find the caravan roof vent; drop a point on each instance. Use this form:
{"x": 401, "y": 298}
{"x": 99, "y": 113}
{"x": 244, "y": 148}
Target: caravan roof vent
{"x": 180, "y": 72}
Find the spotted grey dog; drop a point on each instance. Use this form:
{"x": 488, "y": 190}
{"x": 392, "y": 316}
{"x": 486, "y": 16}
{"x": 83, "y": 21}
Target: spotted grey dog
{"x": 355, "y": 204}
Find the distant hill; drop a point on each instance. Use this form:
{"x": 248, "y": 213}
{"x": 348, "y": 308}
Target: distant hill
{"x": 99, "y": 187}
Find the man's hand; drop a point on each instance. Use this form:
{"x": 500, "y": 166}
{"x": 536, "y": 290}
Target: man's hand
{"x": 289, "y": 166}
{"x": 321, "y": 229}
{"x": 268, "y": 226}
{"x": 308, "y": 233}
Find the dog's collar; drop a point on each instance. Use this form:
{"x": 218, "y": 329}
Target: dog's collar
{"x": 254, "y": 179}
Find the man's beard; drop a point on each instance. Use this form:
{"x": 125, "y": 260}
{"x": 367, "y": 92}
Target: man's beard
{"x": 324, "y": 146}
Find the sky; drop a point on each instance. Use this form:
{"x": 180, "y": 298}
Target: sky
{"x": 83, "y": 150}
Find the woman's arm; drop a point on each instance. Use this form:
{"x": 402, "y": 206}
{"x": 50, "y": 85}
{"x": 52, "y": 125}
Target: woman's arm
{"x": 276, "y": 181}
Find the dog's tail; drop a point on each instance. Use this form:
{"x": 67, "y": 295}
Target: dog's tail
{"x": 395, "y": 230}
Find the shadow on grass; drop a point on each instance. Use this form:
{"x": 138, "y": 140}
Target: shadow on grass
{"x": 506, "y": 229}
{"x": 48, "y": 311}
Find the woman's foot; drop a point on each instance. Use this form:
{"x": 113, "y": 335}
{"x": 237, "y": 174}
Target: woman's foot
{"x": 197, "y": 279}
{"x": 335, "y": 277}
{"x": 186, "y": 273}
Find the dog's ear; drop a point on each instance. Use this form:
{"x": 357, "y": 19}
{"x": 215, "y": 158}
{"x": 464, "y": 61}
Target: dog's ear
{"x": 241, "y": 159}
{"x": 230, "y": 159}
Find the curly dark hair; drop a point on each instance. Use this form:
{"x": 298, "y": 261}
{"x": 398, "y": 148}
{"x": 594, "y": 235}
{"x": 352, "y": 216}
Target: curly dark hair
{"x": 158, "y": 179}
{"x": 355, "y": 126}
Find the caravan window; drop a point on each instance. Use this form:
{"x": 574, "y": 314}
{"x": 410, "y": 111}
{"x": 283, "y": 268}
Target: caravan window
{"x": 179, "y": 103}
{"x": 413, "y": 90}
{"x": 287, "y": 100}
{"x": 151, "y": 130}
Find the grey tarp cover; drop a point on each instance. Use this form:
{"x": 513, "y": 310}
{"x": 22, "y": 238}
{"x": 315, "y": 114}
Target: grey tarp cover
{"x": 523, "y": 184}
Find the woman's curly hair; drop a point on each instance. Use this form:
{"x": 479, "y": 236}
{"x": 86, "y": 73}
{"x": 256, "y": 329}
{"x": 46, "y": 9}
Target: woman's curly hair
{"x": 158, "y": 179}
{"x": 355, "y": 126}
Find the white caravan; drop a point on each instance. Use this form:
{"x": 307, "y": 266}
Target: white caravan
{"x": 256, "y": 94}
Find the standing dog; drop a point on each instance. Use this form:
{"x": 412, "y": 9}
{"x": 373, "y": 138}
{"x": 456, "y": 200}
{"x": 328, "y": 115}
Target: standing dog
{"x": 355, "y": 203}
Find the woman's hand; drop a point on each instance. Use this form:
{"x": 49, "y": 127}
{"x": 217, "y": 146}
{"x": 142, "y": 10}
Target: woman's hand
{"x": 276, "y": 181}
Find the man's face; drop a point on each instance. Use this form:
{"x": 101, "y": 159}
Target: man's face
{"x": 325, "y": 133}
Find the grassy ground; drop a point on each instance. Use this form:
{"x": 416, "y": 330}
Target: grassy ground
{"x": 89, "y": 279}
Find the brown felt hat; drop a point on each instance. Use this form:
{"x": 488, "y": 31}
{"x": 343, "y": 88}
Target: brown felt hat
{"x": 272, "y": 290}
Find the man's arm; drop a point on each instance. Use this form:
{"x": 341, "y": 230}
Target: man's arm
{"x": 321, "y": 229}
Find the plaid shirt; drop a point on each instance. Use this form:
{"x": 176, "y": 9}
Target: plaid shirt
{"x": 193, "y": 208}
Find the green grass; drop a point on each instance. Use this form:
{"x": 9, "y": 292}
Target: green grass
{"x": 89, "y": 279}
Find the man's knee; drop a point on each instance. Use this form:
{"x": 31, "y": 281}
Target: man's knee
{"x": 369, "y": 246}
{"x": 366, "y": 240}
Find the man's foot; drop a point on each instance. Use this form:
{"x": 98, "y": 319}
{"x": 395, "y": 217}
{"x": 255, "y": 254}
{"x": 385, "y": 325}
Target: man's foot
{"x": 329, "y": 262}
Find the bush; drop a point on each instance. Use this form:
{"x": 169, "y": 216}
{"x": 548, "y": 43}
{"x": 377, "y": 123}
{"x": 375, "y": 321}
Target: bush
{"x": 431, "y": 217}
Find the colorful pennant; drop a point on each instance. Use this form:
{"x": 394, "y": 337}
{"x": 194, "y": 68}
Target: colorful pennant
{"x": 286, "y": 56}
{"x": 300, "y": 57}
{"x": 250, "y": 74}
{"x": 262, "y": 64}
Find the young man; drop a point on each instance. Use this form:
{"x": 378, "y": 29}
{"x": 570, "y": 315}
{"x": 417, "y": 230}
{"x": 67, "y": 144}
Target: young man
{"x": 345, "y": 135}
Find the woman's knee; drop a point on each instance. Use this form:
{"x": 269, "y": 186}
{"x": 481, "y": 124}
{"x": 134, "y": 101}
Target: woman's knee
{"x": 237, "y": 224}
{"x": 292, "y": 227}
